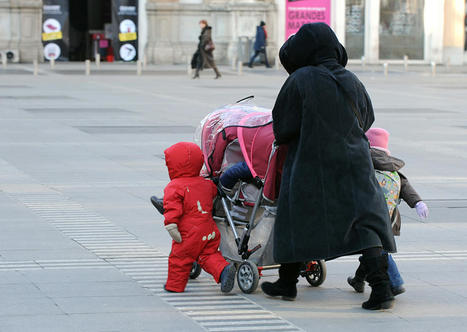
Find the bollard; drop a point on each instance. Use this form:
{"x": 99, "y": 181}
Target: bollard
{"x": 36, "y": 67}
{"x": 448, "y": 63}
{"x": 386, "y": 68}
{"x": 234, "y": 63}
{"x": 145, "y": 61}
{"x": 433, "y": 68}
{"x": 98, "y": 60}
{"x": 406, "y": 62}
{"x": 139, "y": 67}
{"x": 4, "y": 60}
{"x": 363, "y": 61}
{"x": 240, "y": 68}
{"x": 87, "y": 65}
{"x": 52, "y": 63}
{"x": 189, "y": 70}
{"x": 277, "y": 63}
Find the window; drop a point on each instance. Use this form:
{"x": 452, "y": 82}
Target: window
{"x": 401, "y": 29}
{"x": 355, "y": 28}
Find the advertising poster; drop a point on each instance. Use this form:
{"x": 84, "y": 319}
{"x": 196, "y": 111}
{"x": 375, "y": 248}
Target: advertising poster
{"x": 125, "y": 28}
{"x": 55, "y": 27}
{"x": 299, "y": 12}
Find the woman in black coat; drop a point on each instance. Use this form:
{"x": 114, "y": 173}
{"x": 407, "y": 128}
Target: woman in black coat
{"x": 204, "y": 54}
{"x": 330, "y": 204}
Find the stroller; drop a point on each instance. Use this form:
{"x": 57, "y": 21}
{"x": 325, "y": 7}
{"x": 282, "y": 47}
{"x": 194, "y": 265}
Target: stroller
{"x": 245, "y": 215}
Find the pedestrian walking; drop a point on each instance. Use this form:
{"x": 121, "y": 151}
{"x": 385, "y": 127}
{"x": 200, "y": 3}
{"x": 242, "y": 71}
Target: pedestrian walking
{"x": 330, "y": 203}
{"x": 384, "y": 161}
{"x": 204, "y": 56}
{"x": 260, "y": 44}
{"x": 187, "y": 209}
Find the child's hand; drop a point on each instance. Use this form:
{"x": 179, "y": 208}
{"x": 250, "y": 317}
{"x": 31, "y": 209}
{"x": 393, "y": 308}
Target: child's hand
{"x": 422, "y": 210}
{"x": 173, "y": 232}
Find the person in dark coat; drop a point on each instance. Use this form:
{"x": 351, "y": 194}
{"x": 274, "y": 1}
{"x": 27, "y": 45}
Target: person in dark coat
{"x": 205, "y": 57}
{"x": 330, "y": 203}
{"x": 260, "y": 44}
{"x": 383, "y": 161}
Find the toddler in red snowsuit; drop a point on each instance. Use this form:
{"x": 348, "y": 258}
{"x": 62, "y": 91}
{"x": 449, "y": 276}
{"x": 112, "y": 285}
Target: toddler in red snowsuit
{"x": 188, "y": 202}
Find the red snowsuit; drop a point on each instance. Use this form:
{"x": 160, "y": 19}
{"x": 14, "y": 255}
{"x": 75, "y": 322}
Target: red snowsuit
{"x": 188, "y": 201}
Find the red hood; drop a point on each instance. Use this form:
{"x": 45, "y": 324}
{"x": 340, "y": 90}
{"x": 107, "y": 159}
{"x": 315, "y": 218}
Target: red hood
{"x": 184, "y": 160}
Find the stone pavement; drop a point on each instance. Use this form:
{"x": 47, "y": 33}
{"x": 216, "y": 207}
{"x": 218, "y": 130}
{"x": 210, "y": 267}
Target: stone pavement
{"x": 82, "y": 249}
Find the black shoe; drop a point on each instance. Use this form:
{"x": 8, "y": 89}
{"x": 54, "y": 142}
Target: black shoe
{"x": 195, "y": 76}
{"x": 358, "y": 282}
{"x": 250, "y": 66}
{"x": 397, "y": 290}
{"x": 228, "y": 278}
{"x": 268, "y": 66}
{"x": 217, "y": 76}
{"x": 381, "y": 296}
{"x": 358, "y": 285}
{"x": 158, "y": 204}
{"x": 287, "y": 292}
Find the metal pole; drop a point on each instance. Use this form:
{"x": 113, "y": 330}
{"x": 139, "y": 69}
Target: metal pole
{"x": 145, "y": 61}
{"x": 139, "y": 67}
{"x": 277, "y": 63}
{"x": 240, "y": 68}
{"x": 87, "y": 65}
{"x": 386, "y": 68}
{"x": 36, "y": 67}
{"x": 433, "y": 68}
{"x": 363, "y": 61}
{"x": 234, "y": 62}
{"x": 406, "y": 63}
{"x": 98, "y": 60}
{"x": 4, "y": 60}
{"x": 52, "y": 63}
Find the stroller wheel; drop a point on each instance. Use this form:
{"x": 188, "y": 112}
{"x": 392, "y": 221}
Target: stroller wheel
{"x": 247, "y": 277}
{"x": 314, "y": 272}
{"x": 195, "y": 271}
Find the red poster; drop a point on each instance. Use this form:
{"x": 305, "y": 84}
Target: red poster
{"x": 299, "y": 12}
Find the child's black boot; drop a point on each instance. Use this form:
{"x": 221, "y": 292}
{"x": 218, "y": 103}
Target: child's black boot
{"x": 228, "y": 278}
{"x": 158, "y": 204}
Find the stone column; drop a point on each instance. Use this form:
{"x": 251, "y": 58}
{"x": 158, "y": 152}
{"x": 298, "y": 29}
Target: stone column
{"x": 20, "y": 28}
{"x": 372, "y": 16}
{"x": 454, "y": 31}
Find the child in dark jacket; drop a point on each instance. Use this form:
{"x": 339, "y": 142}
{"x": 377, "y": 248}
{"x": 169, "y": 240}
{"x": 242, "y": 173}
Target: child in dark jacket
{"x": 188, "y": 203}
{"x": 383, "y": 161}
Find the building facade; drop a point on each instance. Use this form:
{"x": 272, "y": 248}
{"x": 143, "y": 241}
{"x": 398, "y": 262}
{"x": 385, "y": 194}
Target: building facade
{"x": 373, "y": 31}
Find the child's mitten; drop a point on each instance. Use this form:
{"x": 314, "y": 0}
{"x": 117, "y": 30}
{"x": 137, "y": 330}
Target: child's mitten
{"x": 173, "y": 232}
{"x": 422, "y": 210}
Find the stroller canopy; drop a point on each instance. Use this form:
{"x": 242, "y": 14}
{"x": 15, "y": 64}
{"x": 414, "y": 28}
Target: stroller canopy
{"x": 252, "y": 127}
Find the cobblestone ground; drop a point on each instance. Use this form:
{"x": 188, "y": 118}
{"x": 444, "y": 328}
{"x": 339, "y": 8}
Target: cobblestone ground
{"x": 81, "y": 248}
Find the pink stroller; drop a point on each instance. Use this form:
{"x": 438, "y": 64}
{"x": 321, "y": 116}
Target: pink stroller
{"x": 245, "y": 215}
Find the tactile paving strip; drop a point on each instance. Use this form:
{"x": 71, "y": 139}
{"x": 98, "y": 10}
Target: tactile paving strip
{"x": 202, "y": 300}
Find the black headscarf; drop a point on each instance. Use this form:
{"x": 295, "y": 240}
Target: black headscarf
{"x": 314, "y": 44}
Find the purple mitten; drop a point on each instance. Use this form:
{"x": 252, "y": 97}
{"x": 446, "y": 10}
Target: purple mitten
{"x": 422, "y": 210}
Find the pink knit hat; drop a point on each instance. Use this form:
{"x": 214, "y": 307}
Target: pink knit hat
{"x": 379, "y": 138}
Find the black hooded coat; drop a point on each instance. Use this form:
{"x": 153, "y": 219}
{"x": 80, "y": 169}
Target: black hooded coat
{"x": 330, "y": 203}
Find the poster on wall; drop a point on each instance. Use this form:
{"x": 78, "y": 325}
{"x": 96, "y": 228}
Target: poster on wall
{"x": 300, "y": 12}
{"x": 55, "y": 27}
{"x": 125, "y": 29}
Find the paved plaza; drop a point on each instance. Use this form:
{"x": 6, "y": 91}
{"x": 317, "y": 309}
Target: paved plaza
{"x": 82, "y": 249}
